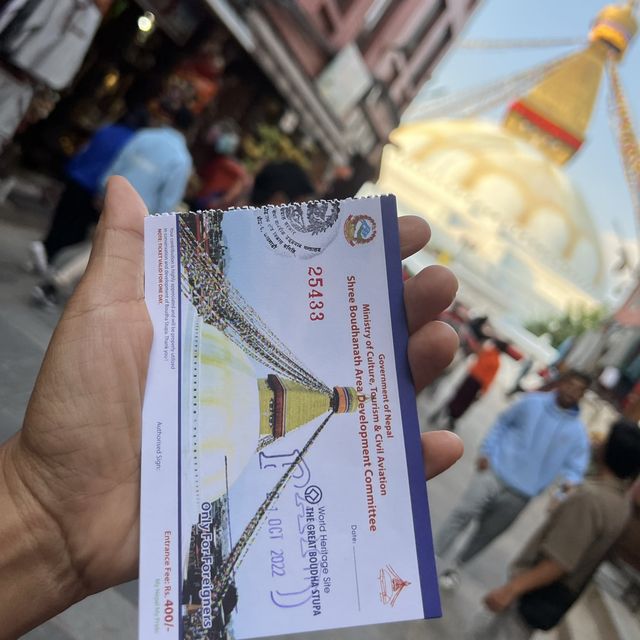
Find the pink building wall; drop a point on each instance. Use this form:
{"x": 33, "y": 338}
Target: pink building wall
{"x": 311, "y": 57}
{"x": 330, "y": 25}
{"x": 400, "y": 46}
{"x": 316, "y": 29}
{"x": 339, "y": 21}
{"x": 385, "y": 52}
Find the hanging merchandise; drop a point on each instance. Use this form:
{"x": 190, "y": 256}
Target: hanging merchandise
{"x": 16, "y": 13}
{"x": 15, "y": 97}
{"x": 48, "y": 40}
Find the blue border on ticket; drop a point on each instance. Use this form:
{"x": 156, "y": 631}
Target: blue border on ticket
{"x": 409, "y": 413}
{"x": 179, "y": 297}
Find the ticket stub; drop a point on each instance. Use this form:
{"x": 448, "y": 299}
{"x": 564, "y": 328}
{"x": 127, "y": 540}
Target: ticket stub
{"x": 282, "y": 479}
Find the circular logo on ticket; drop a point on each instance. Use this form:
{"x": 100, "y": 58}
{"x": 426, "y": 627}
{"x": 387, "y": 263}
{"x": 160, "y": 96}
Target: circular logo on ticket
{"x": 313, "y": 494}
{"x": 360, "y": 229}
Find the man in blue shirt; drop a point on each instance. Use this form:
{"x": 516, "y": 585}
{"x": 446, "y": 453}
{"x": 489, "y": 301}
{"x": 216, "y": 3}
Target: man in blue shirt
{"x": 559, "y": 560}
{"x": 157, "y": 162}
{"x": 535, "y": 442}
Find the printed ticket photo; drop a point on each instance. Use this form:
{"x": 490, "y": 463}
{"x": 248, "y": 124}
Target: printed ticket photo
{"x": 282, "y": 479}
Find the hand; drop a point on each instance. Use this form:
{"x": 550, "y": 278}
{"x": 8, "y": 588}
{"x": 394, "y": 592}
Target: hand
{"x": 74, "y": 469}
{"x": 482, "y": 463}
{"x": 432, "y": 344}
{"x": 79, "y": 449}
{"x": 501, "y": 598}
{"x": 71, "y": 477}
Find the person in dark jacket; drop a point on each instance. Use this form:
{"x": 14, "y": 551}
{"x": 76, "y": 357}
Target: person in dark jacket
{"x": 559, "y": 560}
{"x": 76, "y": 211}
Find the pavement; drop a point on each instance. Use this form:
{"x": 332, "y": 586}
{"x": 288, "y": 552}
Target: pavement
{"x": 111, "y": 615}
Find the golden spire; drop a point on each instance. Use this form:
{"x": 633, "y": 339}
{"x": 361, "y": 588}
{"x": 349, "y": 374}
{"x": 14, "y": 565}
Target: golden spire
{"x": 616, "y": 26}
{"x": 555, "y": 115}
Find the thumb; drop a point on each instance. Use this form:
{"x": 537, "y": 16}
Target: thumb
{"x": 115, "y": 272}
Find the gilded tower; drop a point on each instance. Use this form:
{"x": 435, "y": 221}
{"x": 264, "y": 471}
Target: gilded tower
{"x": 286, "y": 405}
{"x": 554, "y": 116}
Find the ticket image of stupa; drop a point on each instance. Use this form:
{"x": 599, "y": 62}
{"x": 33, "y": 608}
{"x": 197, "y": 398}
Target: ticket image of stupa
{"x": 229, "y": 412}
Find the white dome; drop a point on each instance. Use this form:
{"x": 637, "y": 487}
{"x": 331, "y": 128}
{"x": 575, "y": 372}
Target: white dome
{"x": 474, "y": 166}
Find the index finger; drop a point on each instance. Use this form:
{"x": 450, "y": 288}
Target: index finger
{"x": 414, "y": 234}
{"x": 440, "y": 450}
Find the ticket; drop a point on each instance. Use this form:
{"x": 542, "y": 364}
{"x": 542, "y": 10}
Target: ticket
{"x": 283, "y": 484}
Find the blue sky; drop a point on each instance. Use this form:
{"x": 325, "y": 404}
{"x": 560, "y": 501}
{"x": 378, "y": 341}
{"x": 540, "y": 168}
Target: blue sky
{"x": 597, "y": 169}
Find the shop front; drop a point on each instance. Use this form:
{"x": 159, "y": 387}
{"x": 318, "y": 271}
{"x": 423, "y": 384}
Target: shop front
{"x": 145, "y": 50}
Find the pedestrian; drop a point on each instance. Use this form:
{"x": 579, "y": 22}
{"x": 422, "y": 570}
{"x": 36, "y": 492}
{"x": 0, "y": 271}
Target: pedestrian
{"x": 70, "y": 479}
{"x": 224, "y": 181}
{"x": 538, "y": 440}
{"x": 476, "y": 383}
{"x": 474, "y": 333}
{"x": 560, "y": 559}
{"x": 457, "y": 317}
{"x": 348, "y": 179}
{"x": 157, "y": 162}
{"x": 526, "y": 367}
{"x": 76, "y": 211}
{"x": 280, "y": 183}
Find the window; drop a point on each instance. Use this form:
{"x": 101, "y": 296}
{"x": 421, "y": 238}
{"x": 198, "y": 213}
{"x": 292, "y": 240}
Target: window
{"x": 424, "y": 26}
{"x": 375, "y": 13}
{"x": 325, "y": 18}
{"x": 420, "y": 75}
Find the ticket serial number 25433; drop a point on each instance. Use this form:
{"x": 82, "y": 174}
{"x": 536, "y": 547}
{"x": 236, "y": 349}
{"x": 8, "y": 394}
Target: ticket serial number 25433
{"x": 315, "y": 294}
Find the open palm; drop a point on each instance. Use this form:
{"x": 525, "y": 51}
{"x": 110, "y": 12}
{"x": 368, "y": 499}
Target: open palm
{"x": 80, "y": 445}
{"x": 78, "y": 455}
